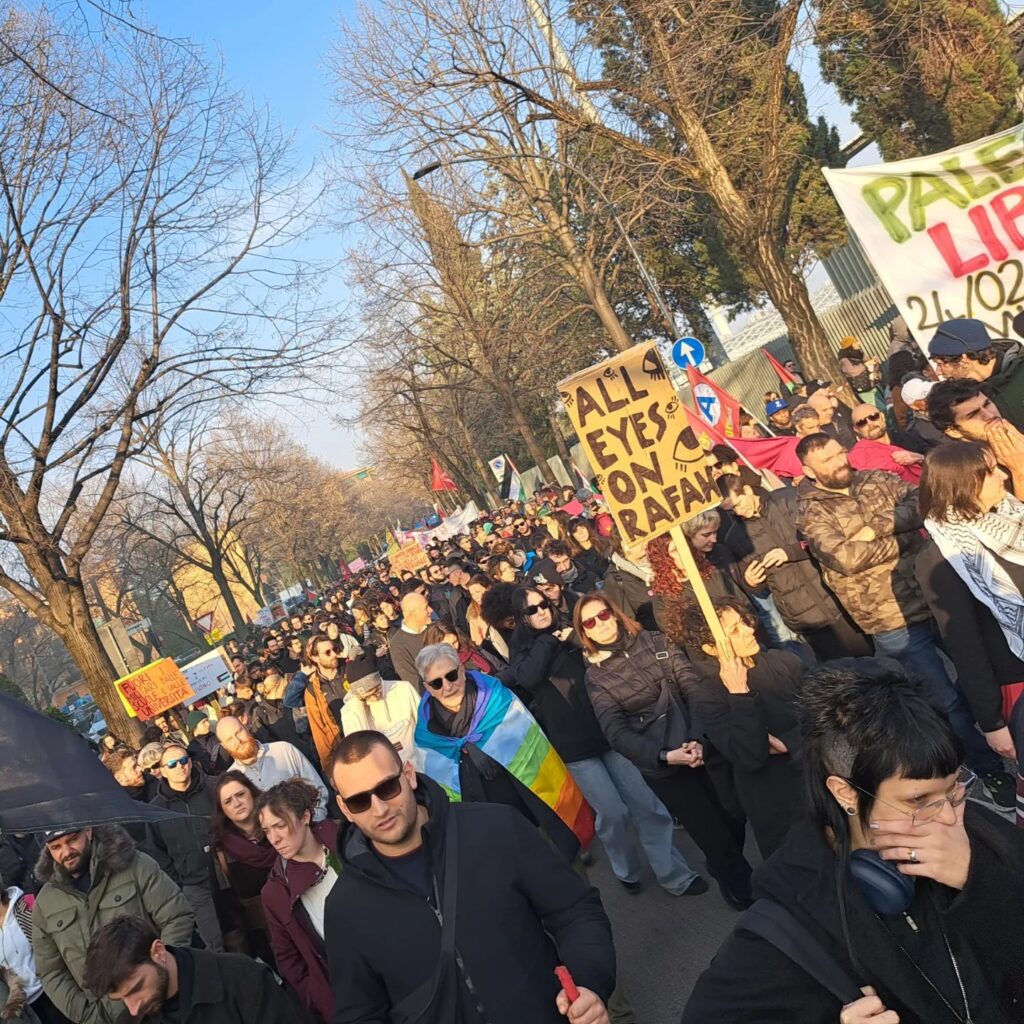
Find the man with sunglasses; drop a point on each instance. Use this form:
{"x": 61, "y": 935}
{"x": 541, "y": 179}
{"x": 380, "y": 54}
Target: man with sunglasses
{"x": 419, "y": 873}
{"x": 875, "y": 450}
{"x": 962, "y": 349}
{"x": 184, "y": 848}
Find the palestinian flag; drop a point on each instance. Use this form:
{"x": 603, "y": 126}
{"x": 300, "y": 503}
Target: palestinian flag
{"x": 510, "y": 486}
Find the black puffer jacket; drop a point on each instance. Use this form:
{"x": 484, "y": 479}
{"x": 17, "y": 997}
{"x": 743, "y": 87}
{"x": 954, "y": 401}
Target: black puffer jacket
{"x": 631, "y": 593}
{"x": 551, "y": 674}
{"x": 796, "y": 585}
{"x": 184, "y": 848}
{"x": 639, "y": 697}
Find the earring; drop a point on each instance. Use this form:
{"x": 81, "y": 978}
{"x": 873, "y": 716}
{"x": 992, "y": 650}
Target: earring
{"x": 851, "y": 811}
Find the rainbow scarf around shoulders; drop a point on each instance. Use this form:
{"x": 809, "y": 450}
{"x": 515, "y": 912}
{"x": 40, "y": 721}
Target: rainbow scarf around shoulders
{"x": 504, "y": 730}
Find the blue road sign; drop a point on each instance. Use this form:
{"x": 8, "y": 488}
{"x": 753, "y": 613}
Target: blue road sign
{"x": 687, "y": 352}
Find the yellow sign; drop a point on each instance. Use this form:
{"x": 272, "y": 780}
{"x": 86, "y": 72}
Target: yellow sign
{"x": 410, "y": 556}
{"x": 153, "y": 688}
{"x": 650, "y": 465}
{"x": 214, "y": 637}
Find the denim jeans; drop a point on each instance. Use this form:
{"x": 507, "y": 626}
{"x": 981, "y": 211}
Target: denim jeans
{"x": 619, "y": 795}
{"x": 769, "y": 616}
{"x": 914, "y": 648}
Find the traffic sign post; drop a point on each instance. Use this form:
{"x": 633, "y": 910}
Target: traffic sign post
{"x": 204, "y": 623}
{"x": 687, "y": 352}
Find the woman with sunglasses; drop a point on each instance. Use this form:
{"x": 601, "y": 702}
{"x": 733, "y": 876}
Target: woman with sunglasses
{"x": 244, "y": 854}
{"x": 305, "y": 869}
{"x": 746, "y": 704}
{"x": 477, "y": 740}
{"x": 550, "y": 670}
{"x": 638, "y": 684}
{"x": 912, "y": 891}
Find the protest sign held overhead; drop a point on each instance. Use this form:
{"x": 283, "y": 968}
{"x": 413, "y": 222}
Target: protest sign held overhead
{"x": 154, "y": 688}
{"x": 649, "y": 464}
{"x": 945, "y": 232}
{"x": 409, "y": 557}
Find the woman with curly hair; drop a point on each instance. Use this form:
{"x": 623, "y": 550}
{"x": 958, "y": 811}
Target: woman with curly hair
{"x": 672, "y": 591}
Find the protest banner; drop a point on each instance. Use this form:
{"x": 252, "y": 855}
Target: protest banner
{"x": 410, "y": 557}
{"x": 650, "y": 465}
{"x": 207, "y": 674}
{"x": 714, "y": 403}
{"x": 357, "y": 565}
{"x": 945, "y": 232}
{"x": 153, "y": 688}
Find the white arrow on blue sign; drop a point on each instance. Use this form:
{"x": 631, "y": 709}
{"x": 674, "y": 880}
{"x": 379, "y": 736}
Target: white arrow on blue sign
{"x": 687, "y": 352}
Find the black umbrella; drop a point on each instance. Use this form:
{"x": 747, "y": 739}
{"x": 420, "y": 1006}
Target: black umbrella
{"x": 50, "y": 778}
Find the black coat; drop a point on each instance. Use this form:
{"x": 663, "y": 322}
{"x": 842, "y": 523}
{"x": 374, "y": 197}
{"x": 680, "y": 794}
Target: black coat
{"x": 184, "y": 848}
{"x": 521, "y": 911}
{"x": 229, "y": 988}
{"x": 593, "y": 563}
{"x": 639, "y": 697}
{"x": 631, "y": 594}
{"x": 551, "y": 674}
{"x": 768, "y": 786}
{"x": 751, "y": 982}
{"x": 971, "y": 636}
{"x": 796, "y": 585}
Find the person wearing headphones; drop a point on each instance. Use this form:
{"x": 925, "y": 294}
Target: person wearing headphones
{"x": 902, "y": 902}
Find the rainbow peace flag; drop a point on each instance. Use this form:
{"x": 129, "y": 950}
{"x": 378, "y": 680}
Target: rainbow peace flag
{"x": 504, "y": 730}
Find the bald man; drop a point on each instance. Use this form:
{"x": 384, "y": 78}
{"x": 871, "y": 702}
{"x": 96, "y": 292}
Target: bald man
{"x": 407, "y": 641}
{"x": 875, "y": 449}
{"x": 266, "y": 764}
{"x": 834, "y": 419}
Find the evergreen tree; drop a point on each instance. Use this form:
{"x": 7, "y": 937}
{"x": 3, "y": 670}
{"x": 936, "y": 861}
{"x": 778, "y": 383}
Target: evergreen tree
{"x": 921, "y": 75}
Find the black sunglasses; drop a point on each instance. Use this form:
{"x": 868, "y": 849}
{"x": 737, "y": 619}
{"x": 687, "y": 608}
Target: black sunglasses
{"x": 359, "y": 803}
{"x": 532, "y": 609}
{"x": 872, "y": 417}
{"x": 436, "y": 684}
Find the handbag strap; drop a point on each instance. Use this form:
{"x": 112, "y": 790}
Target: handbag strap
{"x": 775, "y": 924}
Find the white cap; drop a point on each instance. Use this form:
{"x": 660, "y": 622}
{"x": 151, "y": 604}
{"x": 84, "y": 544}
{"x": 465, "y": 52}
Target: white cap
{"x": 916, "y": 389}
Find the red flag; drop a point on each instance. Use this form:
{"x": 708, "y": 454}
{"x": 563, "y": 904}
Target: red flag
{"x": 776, "y": 454}
{"x": 714, "y": 404}
{"x": 784, "y": 375}
{"x": 439, "y": 479}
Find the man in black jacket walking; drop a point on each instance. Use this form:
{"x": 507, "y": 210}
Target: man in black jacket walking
{"x": 127, "y": 962}
{"x": 521, "y": 909}
{"x": 184, "y": 848}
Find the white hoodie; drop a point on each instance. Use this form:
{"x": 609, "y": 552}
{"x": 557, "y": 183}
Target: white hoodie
{"x": 16, "y": 950}
{"x": 393, "y": 714}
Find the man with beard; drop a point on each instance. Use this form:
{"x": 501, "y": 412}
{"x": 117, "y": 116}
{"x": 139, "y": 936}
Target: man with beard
{"x": 875, "y": 449}
{"x": 864, "y": 530}
{"x": 266, "y": 764}
{"x": 90, "y": 877}
{"x": 129, "y": 963}
{"x": 184, "y": 848}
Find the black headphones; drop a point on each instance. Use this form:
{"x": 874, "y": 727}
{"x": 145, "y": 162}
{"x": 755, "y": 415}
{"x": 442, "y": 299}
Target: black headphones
{"x": 888, "y": 891}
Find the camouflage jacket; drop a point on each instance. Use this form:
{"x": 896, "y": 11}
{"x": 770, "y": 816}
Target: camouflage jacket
{"x": 874, "y": 580}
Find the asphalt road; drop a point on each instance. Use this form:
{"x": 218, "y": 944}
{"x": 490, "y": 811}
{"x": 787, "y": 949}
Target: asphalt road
{"x": 663, "y": 942}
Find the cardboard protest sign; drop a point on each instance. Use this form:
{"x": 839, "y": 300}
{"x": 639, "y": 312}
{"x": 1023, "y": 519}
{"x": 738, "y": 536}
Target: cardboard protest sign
{"x": 635, "y": 431}
{"x": 410, "y": 556}
{"x": 944, "y": 232}
{"x": 153, "y": 688}
{"x": 207, "y": 674}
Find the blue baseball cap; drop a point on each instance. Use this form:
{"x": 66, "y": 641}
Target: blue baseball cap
{"x": 776, "y": 405}
{"x": 958, "y": 337}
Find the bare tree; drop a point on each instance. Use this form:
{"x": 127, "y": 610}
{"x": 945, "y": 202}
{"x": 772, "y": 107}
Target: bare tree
{"x": 144, "y": 267}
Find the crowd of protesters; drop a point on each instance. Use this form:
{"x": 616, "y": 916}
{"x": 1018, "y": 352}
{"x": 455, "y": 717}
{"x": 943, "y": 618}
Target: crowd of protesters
{"x": 387, "y": 815}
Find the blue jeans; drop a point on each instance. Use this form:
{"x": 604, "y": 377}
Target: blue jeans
{"x": 619, "y": 795}
{"x": 914, "y": 648}
{"x": 779, "y": 634}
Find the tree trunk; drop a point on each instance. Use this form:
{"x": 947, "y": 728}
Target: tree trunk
{"x": 226, "y": 593}
{"x": 529, "y": 437}
{"x": 98, "y": 672}
{"x": 560, "y": 443}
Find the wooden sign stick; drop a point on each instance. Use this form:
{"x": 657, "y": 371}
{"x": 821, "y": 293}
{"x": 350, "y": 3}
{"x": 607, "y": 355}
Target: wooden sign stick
{"x": 701, "y": 593}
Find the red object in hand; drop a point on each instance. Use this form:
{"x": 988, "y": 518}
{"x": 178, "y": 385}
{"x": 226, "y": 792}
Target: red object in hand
{"x": 568, "y": 985}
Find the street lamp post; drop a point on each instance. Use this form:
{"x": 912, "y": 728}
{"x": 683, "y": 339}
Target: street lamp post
{"x": 646, "y": 276}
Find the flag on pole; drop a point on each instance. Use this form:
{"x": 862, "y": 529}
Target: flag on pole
{"x": 582, "y": 483}
{"x": 439, "y": 479}
{"x": 784, "y": 375}
{"x": 714, "y": 404}
{"x": 510, "y": 486}
{"x": 776, "y": 454}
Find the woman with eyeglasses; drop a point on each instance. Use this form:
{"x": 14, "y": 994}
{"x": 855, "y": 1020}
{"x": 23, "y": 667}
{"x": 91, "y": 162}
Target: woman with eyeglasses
{"x": 478, "y": 741}
{"x": 550, "y": 670}
{"x": 896, "y": 880}
{"x": 638, "y": 684}
{"x": 745, "y": 701}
